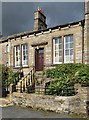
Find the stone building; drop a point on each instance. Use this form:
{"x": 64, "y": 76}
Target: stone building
{"x": 45, "y": 47}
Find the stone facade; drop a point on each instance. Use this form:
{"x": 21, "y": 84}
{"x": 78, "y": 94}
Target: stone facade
{"x": 43, "y": 38}
{"x": 86, "y": 33}
{"x": 70, "y": 105}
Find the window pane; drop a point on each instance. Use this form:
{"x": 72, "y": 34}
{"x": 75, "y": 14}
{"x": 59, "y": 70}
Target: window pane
{"x": 60, "y": 53}
{"x": 56, "y": 47}
{"x": 57, "y": 59}
{"x": 71, "y": 52}
{"x": 24, "y": 57}
{"x": 71, "y": 45}
{"x": 67, "y": 46}
{"x": 60, "y": 59}
{"x": 25, "y": 54}
{"x": 26, "y": 51}
{"x": 26, "y": 62}
{"x": 40, "y": 51}
{"x": 17, "y": 56}
{"x": 16, "y": 53}
{"x": 26, "y": 46}
{"x": 58, "y": 50}
{"x": 23, "y": 47}
{"x": 60, "y": 46}
{"x": 67, "y": 52}
{"x": 56, "y": 41}
{"x": 66, "y": 39}
{"x": 71, "y": 38}
{"x": 60, "y": 41}
{"x": 71, "y": 57}
{"x": 68, "y": 56}
{"x": 56, "y": 53}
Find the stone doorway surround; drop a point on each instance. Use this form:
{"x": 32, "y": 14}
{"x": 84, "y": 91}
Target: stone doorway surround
{"x": 39, "y": 53}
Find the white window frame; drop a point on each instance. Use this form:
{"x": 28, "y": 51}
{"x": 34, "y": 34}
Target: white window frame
{"x": 54, "y": 59}
{"x": 69, "y": 50}
{"x": 26, "y": 55}
{"x": 17, "y": 65}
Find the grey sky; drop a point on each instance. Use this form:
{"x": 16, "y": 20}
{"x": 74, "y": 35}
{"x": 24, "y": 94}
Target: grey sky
{"x": 19, "y": 16}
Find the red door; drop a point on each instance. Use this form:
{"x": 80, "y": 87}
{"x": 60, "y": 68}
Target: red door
{"x": 39, "y": 59}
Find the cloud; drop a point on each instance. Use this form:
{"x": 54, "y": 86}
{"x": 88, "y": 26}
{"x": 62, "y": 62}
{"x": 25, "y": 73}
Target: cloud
{"x": 19, "y": 16}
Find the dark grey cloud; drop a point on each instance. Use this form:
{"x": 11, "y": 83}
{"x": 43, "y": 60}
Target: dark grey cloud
{"x": 18, "y": 17}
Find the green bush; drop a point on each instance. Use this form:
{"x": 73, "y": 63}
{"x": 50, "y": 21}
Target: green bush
{"x": 65, "y": 76}
{"x": 62, "y": 87}
{"x": 82, "y": 75}
{"x": 4, "y": 71}
{"x": 8, "y": 76}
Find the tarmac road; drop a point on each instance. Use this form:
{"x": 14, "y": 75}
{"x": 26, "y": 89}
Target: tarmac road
{"x": 18, "y": 112}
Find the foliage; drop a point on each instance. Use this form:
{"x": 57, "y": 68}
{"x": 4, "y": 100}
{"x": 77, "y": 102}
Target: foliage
{"x": 12, "y": 76}
{"x": 8, "y": 76}
{"x": 82, "y": 75}
{"x": 4, "y": 75}
{"x": 65, "y": 76}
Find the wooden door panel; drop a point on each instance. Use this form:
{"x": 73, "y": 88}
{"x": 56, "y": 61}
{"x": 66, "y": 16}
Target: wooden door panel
{"x": 39, "y": 59}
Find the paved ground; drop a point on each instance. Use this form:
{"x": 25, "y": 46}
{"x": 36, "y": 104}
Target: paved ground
{"x": 18, "y": 112}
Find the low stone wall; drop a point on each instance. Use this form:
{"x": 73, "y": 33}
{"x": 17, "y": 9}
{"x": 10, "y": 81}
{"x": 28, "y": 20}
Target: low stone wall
{"x": 71, "y": 105}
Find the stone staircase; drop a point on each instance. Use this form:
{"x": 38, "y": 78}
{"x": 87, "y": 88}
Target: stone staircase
{"x": 32, "y": 82}
{"x": 39, "y": 86}
{"x": 40, "y": 82}
{"x": 39, "y": 77}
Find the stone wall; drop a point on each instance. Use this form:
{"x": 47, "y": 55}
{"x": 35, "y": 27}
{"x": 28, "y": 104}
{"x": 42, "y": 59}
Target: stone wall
{"x": 86, "y": 33}
{"x": 70, "y": 105}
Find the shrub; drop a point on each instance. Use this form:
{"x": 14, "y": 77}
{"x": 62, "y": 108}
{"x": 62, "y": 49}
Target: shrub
{"x": 65, "y": 76}
{"x": 82, "y": 75}
{"x": 8, "y": 77}
{"x": 4, "y": 75}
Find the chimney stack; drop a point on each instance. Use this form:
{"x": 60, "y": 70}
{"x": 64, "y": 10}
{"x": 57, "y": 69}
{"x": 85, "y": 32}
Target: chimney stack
{"x": 39, "y": 20}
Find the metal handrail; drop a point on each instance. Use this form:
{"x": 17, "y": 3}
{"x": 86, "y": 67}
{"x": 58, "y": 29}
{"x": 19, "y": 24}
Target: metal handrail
{"x": 28, "y": 74}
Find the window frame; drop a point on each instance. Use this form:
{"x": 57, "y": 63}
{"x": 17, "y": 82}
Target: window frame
{"x": 54, "y": 58}
{"x": 15, "y": 56}
{"x": 63, "y": 49}
{"x": 69, "y": 49}
{"x": 20, "y": 55}
{"x": 25, "y": 54}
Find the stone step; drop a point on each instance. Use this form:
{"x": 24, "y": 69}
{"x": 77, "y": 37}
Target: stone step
{"x": 40, "y": 89}
{"x": 39, "y": 74}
